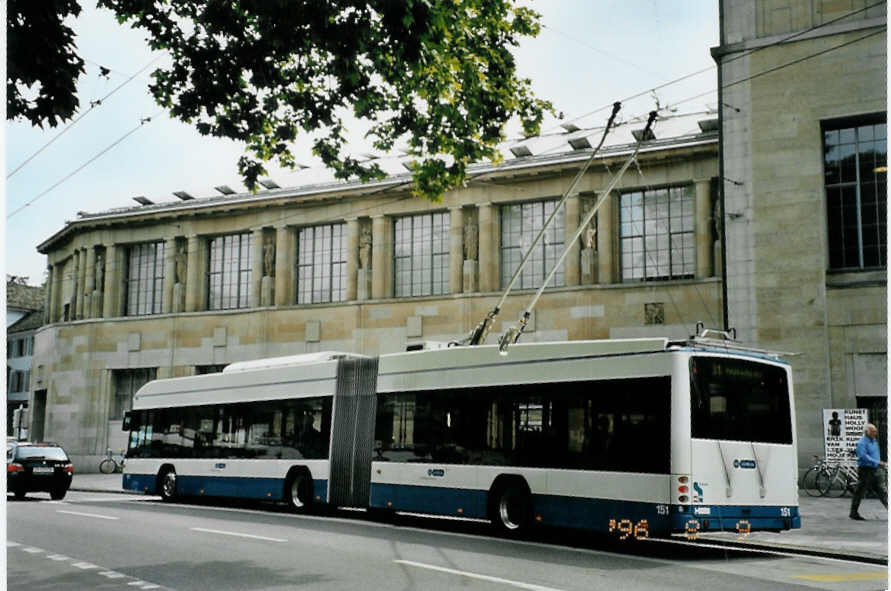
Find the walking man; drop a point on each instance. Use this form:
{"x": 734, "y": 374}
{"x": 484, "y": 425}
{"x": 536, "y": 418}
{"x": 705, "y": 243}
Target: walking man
{"x": 867, "y": 463}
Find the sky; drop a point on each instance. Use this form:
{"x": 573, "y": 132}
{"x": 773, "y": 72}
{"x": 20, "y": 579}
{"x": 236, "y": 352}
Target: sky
{"x": 588, "y": 55}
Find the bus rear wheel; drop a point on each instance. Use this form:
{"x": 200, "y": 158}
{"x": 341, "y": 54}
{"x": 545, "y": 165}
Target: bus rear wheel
{"x": 167, "y": 485}
{"x": 510, "y": 509}
{"x": 298, "y": 491}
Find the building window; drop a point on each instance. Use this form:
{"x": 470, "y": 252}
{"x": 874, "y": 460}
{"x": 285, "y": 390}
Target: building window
{"x": 229, "y": 275}
{"x": 321, "y": 264}
{"x": 520, "y": 224}
{"x": 19, "y": 381}
{"x": 421, "y": 255}
{"x": 145, "y": 279}
{"x": 856, "y": 194}
{"x": 656, "y": 234}
{"x": 125, "y": 383}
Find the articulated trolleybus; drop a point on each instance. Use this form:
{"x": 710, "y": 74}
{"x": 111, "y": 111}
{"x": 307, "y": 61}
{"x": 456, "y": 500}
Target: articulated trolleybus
{"x": 646, "y": 435}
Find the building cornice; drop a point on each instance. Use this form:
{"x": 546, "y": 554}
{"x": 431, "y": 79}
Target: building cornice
{"x": 531, "y": 165}
{"x": 721, "y": 51}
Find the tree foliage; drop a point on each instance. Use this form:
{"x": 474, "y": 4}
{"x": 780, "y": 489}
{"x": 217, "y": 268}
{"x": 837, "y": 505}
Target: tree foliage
{"x": 436, "y": 77}
{"x": 42, "y": 65}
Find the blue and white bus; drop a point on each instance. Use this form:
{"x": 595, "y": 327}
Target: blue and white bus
{"x": 656, "y": 435}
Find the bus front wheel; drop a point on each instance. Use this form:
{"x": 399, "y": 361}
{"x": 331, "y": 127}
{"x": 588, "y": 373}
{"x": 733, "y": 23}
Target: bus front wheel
{"x": 167, "y": 484}
{"x": 298, "y": 491}
{"x": 511, "y": 507}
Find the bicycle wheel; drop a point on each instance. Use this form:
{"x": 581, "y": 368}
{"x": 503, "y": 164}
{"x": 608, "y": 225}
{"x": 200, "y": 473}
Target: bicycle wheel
{"x": 107, "y": 466}
{"x": 809, "y": 482}
{"x": 832, "y": 483}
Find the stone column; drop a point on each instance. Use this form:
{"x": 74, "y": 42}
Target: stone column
{"x": 194, "y": 284}
{"x": 703, "y": 227}
{"x": 48, "y": 305}
{"x": 169, "y": 275}
{"x": 256, "y": 266}
{"x": 488, "y": 247}
{"x": 380, "y": 264}
{"x": 89, "y": 282}
{"x": 352, "y": 258}
{"x": 605, "y": 241}
{"x": 111, "y": 298}
{"x": 456, "y": 249}
{"x": 283, "y": 266}
{"x": 571, "y": 224}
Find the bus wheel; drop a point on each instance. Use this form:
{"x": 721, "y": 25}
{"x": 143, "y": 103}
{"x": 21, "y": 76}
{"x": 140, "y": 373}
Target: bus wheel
{"x": 167, "y": 484}
{"x": 298, "y": 490}
{"x": 511, "y": 507}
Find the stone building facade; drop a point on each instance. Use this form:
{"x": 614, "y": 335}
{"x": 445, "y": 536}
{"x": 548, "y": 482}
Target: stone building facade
{"x": 175, "y": 289}
{"x": 803, "y": 111}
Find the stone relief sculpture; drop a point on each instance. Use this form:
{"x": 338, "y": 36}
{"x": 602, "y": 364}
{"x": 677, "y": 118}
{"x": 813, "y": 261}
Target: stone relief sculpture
{"x": 180, "y": 261}
{"x": 591, "y": 235}
{"x": 471, "y": 239}
{"x": 365, "y": 248}
{"x": 100, "y": 272}
{"x": 268, "y": 257}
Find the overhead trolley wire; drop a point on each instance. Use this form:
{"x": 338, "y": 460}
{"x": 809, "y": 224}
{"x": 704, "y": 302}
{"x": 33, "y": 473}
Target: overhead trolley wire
{"x": 85, "y": 164}
{"x": 93, "y": 105}
{"x": 730, "y": 60}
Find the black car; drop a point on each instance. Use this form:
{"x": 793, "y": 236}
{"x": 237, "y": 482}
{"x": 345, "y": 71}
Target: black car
{"x": 37, "y": 467}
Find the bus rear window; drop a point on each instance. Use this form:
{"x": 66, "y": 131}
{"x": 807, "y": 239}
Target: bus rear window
{"x": 739, "y": 400}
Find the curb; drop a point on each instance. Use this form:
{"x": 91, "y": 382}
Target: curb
{"x": 794, "y": 549}
{"x": 104, "y": 490}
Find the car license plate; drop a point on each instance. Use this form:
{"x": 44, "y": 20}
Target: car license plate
{"x": 43, "y": 470}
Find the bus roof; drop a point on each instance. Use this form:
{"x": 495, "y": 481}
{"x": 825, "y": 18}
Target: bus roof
{"x": 289, "y": 361}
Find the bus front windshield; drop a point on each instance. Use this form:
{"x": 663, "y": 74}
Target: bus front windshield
{"x": 739, "y": 400}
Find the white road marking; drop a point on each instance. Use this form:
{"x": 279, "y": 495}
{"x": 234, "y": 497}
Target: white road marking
{"x": 442, "y": 569}
{"x": 84, "y": 565}
{"x": 143, "y": 585}
{"x": 231, "y": 533}
{"x": 94, "y": 515}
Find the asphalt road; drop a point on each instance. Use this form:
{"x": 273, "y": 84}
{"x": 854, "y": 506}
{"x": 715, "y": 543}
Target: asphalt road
{"x": 104, "y": 541}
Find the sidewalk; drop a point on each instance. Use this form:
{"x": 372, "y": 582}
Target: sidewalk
{"x": 824, "y": 523}
{"x": 825, "y": 526}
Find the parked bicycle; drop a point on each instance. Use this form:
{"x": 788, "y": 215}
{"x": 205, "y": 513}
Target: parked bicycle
{"x": 819, "y": 470}
{"x": 842, "y": 478}
{"x": 112, "y": 463}
{"x": 830, "y": 479}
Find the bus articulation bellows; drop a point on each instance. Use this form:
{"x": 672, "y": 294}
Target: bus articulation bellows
{"x": 666, "y": 435}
